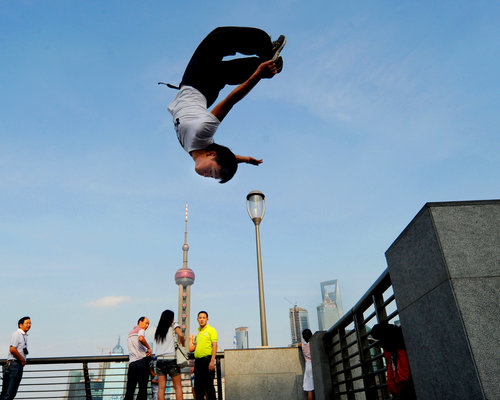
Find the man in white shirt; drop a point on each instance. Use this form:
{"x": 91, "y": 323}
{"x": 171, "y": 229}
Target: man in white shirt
{"x": 139, "y": 354}
{"x": 16, "y": 360}
{"x": 205, "y": 75}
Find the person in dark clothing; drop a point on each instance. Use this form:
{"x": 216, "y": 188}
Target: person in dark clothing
{"x": 139, "y": 359}
{"x": 399, "y": 380}
{"x": 206, "y": 74}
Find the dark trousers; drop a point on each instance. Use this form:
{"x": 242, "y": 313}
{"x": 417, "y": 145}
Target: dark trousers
{"x": 209, "y": 74}
{"x": 203, "y": 379}
{"x": 138, "y": 373}
{"x": 12, "y": 374}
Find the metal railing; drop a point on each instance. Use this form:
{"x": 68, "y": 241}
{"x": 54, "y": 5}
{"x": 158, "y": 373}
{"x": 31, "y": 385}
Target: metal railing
{"x": 91, "y": 378}
{"x": 357, "y": 365}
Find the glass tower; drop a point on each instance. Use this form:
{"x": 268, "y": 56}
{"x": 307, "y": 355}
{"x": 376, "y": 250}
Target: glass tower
{"x": 241, "y": 335}
{"x": 299, "y": 320}
{"x": 330, "y": 310}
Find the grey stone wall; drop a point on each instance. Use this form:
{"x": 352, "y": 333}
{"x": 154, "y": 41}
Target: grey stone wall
{"x": 321, "y": 367}
{"x": 264, "y": 373}
{"x": 445, "y": 271}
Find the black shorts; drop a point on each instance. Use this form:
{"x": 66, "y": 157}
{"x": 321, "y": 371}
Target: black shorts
{"x": 167, "y": 367}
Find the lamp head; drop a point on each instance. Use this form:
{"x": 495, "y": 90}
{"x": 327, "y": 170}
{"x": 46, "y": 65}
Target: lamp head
{"x": 256, "y": 206}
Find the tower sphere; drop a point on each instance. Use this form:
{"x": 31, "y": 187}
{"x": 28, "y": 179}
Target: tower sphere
{"x": 184, "y": 277}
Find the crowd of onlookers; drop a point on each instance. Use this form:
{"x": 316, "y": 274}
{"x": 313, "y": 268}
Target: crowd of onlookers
{"x": 169, "y": 335}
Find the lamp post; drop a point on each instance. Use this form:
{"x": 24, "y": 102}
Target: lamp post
{"x": 256, "y": 207}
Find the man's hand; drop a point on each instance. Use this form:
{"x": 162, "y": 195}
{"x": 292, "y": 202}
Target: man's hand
{"x": 248, "y": 160}
{"x": 211, "y": 366}
{"x": 267, "y": 69}
{"x": 16, "y": 354}
{"x": 253, "y": 161}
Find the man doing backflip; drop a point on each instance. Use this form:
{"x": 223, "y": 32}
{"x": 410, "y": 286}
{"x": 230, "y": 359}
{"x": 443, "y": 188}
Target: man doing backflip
{"x": 205, "y": 76}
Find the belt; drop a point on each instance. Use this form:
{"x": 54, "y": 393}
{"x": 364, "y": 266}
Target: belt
{"x": 165, "y": 358}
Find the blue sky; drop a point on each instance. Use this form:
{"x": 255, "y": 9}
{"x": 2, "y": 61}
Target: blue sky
{"x": 380, "y": 108}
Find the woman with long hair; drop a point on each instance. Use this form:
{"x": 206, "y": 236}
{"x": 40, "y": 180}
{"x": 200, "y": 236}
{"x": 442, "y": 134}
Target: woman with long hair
{"x": 165, "y": 354}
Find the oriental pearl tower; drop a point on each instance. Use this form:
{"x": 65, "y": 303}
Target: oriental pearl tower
{"x": 184, "y": 277}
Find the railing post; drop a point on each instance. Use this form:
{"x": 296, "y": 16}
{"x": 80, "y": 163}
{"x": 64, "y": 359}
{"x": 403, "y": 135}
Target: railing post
{"x": 88, "y": 392}
{"x": 346, "y": 364}
{"x": 219, "y": 379}
{"x": 381, "y": 314}
{"x": 380, "y": 311}
{"x": 364, "y": 357}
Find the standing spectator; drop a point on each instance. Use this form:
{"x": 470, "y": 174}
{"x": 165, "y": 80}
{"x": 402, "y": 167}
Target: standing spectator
{"x": 165, "y": 354}
{"x": 308, "y": 383}
{"x": 205, "y": 350}
{"x": 16, "y": 359}
{"x": 399, "y": 379}
{"x": 139, "y": 358}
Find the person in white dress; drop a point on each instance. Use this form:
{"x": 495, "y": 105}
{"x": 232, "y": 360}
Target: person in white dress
{"x": 308, "y": 384}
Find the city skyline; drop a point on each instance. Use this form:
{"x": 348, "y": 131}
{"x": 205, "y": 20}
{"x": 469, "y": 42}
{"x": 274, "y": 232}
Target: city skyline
{"x": 380, "y": 108}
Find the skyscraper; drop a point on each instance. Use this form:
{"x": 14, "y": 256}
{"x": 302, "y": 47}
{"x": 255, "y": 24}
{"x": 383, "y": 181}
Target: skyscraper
{"x": 330, "y": 310}
{"x": 114, "y": 374}
{"x": 299, "y": 320}
{"x": 241, "y": 334}
{"x": 184, "y": 277}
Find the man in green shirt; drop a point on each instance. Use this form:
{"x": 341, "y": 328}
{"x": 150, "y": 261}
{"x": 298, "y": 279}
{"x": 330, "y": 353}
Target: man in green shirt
{"x": 205, "y": 350}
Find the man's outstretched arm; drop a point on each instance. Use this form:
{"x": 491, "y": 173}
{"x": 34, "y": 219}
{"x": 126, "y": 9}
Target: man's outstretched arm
{"x": 265, "y": 70}
{"x": 248, "y": 160}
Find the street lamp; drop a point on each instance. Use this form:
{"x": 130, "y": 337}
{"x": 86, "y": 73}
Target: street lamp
{"x": 256, "y": 207}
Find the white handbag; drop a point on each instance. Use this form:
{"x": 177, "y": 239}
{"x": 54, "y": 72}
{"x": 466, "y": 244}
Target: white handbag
{"x": 182, "y": 360}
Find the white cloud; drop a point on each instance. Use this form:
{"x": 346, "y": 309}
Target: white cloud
{"x": 108, "y": 301}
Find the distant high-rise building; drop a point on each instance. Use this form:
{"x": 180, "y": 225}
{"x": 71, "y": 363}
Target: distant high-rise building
{"x": 113, "y": 375}
{"x": 184, "y": 277}
{"x": 330, "y": 310}
{"x": 241, "y": 335}
{"x": 118, "y": 349}
{"x": 299, "y": 320}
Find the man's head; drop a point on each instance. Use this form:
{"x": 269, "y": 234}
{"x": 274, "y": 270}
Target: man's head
{"x": 216, "y": 162}
{"x": 307, "y": 334}
{"x": 202, "y": 318}
{"x": 143, "y": 323}
{"x": 24, "y": 323}
{"x": 389, "y": 336}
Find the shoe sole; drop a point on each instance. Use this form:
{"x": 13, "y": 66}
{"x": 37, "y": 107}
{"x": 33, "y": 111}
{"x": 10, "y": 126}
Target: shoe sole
{"x": 277, "y": 54}
{"x": 279, "y": 67}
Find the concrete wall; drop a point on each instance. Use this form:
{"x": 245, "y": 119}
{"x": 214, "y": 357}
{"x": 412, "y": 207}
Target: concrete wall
{"x": 321, "y": 367}
{"x": 264, "y": 373}
{"x": 445, "y": 271}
